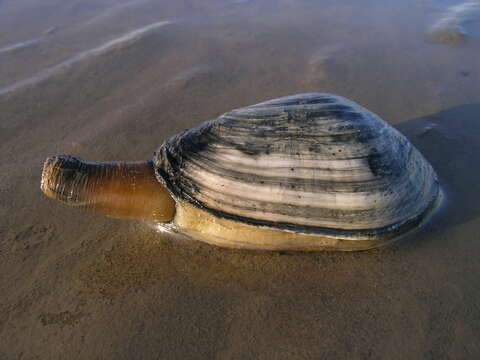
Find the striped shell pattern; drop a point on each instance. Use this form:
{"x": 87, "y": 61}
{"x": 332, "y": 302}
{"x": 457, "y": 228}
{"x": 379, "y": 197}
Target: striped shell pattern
{"x": 310, "y": 163}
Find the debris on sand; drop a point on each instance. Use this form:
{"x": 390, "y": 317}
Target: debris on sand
{"x": 449, "y": 29}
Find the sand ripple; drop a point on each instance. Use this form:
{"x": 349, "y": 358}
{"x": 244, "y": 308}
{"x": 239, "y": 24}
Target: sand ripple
{"x": 19, "y": 45}
{"x": 112, "y": 44}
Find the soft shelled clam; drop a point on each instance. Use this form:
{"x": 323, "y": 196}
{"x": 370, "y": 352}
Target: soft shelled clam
{"x": 304, "y": 172}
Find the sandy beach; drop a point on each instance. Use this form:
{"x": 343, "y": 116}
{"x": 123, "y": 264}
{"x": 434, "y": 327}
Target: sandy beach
{"x": 111, "y": 80}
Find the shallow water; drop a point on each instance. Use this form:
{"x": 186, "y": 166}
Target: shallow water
{"x": 112, "y": 79}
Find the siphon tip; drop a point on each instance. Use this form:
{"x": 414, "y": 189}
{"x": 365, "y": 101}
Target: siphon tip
{"x": 58, "y": 173}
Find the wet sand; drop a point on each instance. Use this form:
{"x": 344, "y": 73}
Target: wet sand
{"x": 98, "y": 79}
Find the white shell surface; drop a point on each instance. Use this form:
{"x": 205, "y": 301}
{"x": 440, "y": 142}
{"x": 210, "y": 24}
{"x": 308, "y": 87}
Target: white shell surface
{"x": 310, "y": 163}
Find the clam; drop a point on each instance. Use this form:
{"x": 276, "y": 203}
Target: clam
{"x": 303, "y": 172}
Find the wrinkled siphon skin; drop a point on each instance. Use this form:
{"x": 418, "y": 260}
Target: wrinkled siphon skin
{"x": 126, "y": 190}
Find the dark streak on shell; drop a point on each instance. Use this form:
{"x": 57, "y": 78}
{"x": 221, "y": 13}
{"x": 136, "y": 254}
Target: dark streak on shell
{"x": 272, "y": 149}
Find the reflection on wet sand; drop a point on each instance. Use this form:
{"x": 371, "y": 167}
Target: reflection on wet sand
{"x": 112, "y": 11}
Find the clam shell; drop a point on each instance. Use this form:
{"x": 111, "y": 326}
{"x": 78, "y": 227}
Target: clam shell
{"x": 309, "y": 163}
